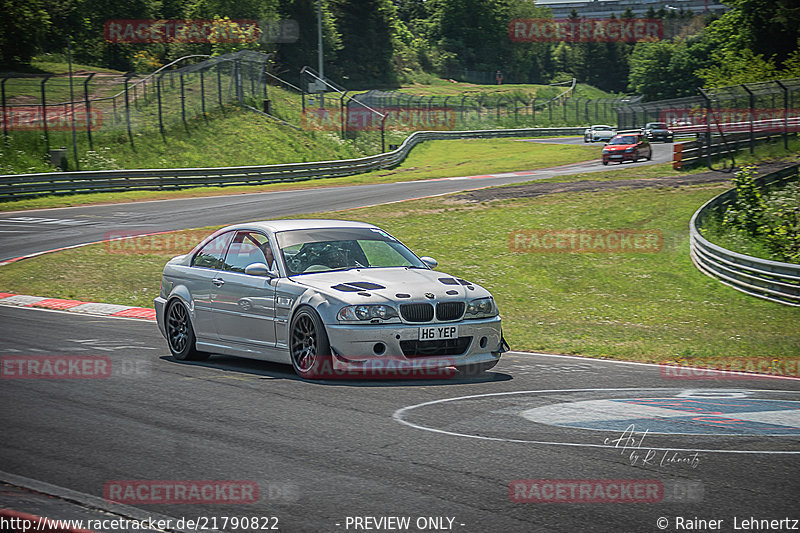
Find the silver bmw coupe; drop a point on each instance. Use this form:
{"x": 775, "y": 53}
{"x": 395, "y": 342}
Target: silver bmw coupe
{"x": 324, "y": 296}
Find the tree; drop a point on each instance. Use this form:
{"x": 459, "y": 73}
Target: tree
{"x": 753, "y": 41}
{"x": 22, "y": 28}
{"x": 474, "y": 34}
{"x": 367, "y": 37}
{"x": 294, "y": 56}
{"x": 663, "y": 69}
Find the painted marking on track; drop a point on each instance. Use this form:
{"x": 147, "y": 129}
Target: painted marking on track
{"x": 739, "y": 409}
{"x": 676, "y": 416}
{"x": 41, "y": 220}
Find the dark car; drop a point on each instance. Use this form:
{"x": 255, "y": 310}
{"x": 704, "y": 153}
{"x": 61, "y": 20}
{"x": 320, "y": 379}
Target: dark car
{"x": 627, "y": 147}
{"x": 658, "y": 131}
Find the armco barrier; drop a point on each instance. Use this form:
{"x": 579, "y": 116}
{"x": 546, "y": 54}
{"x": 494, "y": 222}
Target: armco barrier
{"x": 687, "y": 154}
{"x": 770, "y": 280}
{"x": 23, "y": 185}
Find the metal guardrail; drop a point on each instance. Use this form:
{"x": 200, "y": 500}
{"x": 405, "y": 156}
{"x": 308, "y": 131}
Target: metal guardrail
{"x": 687, "y": 154}
{"x": 770, "y": 280}
{"x": 23, "y": 185}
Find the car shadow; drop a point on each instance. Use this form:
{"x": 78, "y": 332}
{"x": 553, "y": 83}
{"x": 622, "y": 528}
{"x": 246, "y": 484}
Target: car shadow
{"x": 271, "y": 371}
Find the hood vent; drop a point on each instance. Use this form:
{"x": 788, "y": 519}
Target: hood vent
{"x": 357, "y": 286}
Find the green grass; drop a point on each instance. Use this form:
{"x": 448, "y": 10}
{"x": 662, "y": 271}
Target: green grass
{"x": 736, "y": 241}
{"x": 470, "y": 157}
{"x": 634, "y": 306}
{"x": 431, "y": 159}
{"x": 446, "y": 88}
{"x": 229, "y": 137}
{"x": 27, "y": 90}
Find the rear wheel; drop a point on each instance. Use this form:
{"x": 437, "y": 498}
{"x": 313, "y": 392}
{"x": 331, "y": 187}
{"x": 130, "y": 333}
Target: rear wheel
{"x": 476, "y": 369}
{"x": 180, "y": 334}
{"x": 309, "y": 348}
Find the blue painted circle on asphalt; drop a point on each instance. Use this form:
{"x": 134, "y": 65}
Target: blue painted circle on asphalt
{"x": 679, "y": 416}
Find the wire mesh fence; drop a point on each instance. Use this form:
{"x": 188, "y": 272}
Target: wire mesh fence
{"x": 60, "y": 108}
{"x": 771, "y": 107}
{"x": 482, "y": 110}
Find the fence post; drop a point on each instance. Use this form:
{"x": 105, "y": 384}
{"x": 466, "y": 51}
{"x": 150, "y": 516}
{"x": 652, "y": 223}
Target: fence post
{"x": 44, "y": 111}
{"x": 183, "y": 103}
{"x": 383, "y": 133}
{"x": 87, "y": 104}
{"x": 219, "y": 85}
{"x": 158, "y": 96}
{"x": 5, "y": 110}
{"x": 752, "y": 104}
{"x": 342, "y": 112}
{"x": 785, "y": 114}
{"x": 128, "y": 110}
{"x": 708, "y": 126}
{"x": 203, "y": 95}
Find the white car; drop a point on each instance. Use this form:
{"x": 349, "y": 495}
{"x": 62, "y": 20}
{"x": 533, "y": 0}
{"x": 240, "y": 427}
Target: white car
{"x": 324, "y": 295}
{"x": 599, "y": 132}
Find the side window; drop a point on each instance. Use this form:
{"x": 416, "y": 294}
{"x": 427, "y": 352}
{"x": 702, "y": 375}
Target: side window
{"x": 248, "y": 247}
{"x": 211, "y": 255}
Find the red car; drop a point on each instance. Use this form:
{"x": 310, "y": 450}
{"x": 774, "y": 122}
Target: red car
{"x": 627, "y": 147}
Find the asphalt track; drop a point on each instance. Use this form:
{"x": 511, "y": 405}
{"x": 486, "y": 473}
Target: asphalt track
{"x": 322, "y": 452}
{"x": 27, "y": 232}
{"x": 447, "y": 454}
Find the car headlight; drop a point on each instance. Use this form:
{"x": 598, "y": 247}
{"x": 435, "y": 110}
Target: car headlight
{"x": 629, "y": 150}
{"x": 366, "y": 312}
{"x": 481, "y": 308}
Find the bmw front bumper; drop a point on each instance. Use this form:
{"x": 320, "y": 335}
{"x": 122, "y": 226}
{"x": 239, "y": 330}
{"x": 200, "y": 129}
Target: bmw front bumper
{"x": 477, "y": 341}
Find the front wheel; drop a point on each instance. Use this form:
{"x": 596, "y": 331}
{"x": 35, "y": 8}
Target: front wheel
{"x": 180, "y": 334}
{"x": 474, "y": 370}
{"x": 605, "y": 162}
{"x": 309, "y": 348}
{"x": 650, "y": 155}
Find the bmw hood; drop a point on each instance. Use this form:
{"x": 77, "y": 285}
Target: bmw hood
{"x": 391, "y": 285}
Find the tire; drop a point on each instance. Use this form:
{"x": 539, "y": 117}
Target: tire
{"x": 471, "y": 371}
{"x": 635, "y": 156}
{"x": 180, "y": 334}
{"x": 605, "y": 162}
{"x": 650, "y": 156}
{"x": 308, "y": 345}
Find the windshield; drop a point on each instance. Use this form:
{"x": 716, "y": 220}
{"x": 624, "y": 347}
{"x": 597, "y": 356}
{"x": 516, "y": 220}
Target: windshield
{"x": 323, "y": 250}
{"x": 657, "y": 126}
{"x": 604, "y": 128}
{"x": 623, "y": 139}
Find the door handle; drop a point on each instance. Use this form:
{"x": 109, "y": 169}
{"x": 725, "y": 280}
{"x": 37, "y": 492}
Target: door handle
{"x": 219, "y": 282}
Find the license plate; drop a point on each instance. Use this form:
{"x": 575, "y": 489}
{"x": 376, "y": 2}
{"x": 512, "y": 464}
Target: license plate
{"x": 435, "y": 333}
{"x": 616, "y": 157}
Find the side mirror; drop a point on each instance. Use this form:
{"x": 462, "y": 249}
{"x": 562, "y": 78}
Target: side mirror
{"x": 429, "y": 261}
{"x": 259, "y": 269}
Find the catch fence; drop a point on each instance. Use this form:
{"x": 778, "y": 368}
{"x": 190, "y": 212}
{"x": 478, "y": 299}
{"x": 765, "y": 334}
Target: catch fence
{"x": 759, "y": 110}
{"x": 90, "y": 104}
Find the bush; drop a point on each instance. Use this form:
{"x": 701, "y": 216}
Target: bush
{"x": 772, "y": 217}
